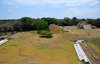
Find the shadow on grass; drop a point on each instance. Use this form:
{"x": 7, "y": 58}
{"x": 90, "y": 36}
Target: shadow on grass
{"x": 13, "y": 45}
{"x": 46, "y": 36}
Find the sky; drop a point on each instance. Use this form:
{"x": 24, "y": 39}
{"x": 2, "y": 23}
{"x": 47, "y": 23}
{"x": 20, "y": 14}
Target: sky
{"x": 16, "y": 9}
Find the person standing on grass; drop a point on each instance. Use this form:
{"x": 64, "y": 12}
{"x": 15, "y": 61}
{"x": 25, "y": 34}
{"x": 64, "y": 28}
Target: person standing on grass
{"x": 31, "y": 41}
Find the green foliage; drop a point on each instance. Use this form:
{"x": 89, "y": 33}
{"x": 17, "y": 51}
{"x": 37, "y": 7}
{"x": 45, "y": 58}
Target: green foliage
{"x": 25, "y": 19}
{"x": 74, "y": 18}
{"x": 94, "y": 22}
{"x": 73, "y": 22}
{"x": 42, "y": 25}
{"x": 97, "y": 22}
{"x": 34, "y": 24}
{"x": 45, "y": 33}
{"x": 49, "y": 34}
{"x": 64, "y": 23}
{"x": 21, "y": 30}
{"x": 26, "y": 23}
{"x": 69, "y": 22}
{"x": 96, "y": 41}
{"x": 83, "y": 19}
{"x": 29, "y": 23}
{"x": 59, "y": 23}
{"x": 51, "y": 20}
{"x": 90, "y": 21}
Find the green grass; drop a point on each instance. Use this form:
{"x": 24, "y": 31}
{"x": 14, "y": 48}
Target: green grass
{"x": 95, "y": 43}
{"x": 93, "y": 38}
{"x": 1, "y": 34}
{"x": 56, "y": 50}
{"x": 83, "y": 33}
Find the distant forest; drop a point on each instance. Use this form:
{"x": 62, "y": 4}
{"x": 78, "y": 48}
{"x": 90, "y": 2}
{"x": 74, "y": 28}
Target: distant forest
{"x": 27, "y": 23}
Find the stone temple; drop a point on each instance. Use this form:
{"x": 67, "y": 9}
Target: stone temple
{"x": 84, "y": 25}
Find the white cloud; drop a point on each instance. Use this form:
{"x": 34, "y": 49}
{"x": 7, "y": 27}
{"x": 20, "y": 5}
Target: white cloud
{"x": 95, "y": 3}
{"x": 39, "y": 8}
{"x": 54, "y": 3}
{"x": 9, "y": 10}
{"x": 82, "y": 11}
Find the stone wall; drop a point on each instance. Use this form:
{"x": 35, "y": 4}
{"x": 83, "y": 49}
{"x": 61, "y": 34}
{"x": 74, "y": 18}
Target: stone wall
{"x": 87, "y": 26}
{"x": 70, "y": 27}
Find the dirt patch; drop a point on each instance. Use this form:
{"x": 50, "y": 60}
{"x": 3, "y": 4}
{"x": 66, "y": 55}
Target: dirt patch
{"x": 28, "y": 60}
{"x": 59, "y": 40}
{"x": 26, "y": 44}
{"x": 47, "y": 46}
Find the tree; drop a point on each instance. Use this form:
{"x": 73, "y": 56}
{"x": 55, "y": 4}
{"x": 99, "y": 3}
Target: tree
{"x": 42, "y": 25}
{"x": 16, "y": 25}
{"x": 6, "y": 27}
{"x": 73, "y": 22}
{"x": 65, "y": 21}
{"x": 51, "y": 20}
{"x": 83, "y": 19}
{"x": 58, "y": 22}
{"x": 97, "y": 22}
{"x": 26, "y": 23}
{"x": 35, "y": 22}
{"x": 74, "y": 18}
{"x": 90, "y": 21}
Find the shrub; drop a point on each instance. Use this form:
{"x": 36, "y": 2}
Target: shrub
{"x": 45, "y": 33}
{"x": 49, "y": 34}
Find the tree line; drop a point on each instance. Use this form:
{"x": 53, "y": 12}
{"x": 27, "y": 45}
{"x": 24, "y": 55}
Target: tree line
{"x": 95, "y": 22}
{"x": 27, "y": 23}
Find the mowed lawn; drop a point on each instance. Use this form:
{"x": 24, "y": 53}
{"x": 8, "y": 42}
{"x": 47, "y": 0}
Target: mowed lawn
{"x": 56, "y": 50}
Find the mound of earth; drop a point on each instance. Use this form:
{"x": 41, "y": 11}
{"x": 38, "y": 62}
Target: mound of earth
{"x": 55, "y": 29}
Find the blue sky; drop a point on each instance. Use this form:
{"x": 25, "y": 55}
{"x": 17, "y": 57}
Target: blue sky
{"x": 16, "y": 9}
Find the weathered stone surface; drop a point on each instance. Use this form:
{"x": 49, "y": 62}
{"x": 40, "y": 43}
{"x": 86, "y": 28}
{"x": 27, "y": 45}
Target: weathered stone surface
{"x": 70, "y": 27}
{"x": 87, "y": 26}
